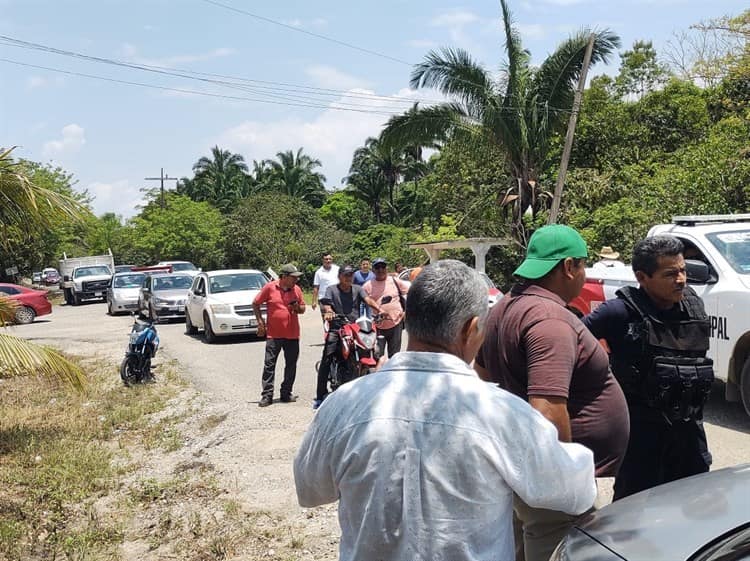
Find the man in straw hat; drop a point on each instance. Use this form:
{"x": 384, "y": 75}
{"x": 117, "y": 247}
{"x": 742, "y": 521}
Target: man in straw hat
{"x": 608, "y": 258}
{"x": 537, "y": 349}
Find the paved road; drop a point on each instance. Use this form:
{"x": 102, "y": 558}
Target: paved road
{"x": 230, "y": 370}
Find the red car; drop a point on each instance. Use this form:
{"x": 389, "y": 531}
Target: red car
{"x": 31, "y": 303}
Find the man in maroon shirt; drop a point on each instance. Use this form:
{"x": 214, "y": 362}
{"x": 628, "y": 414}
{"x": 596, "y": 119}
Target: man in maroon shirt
{"x": 537, "y": 349}
{"x": 284, "y": 302}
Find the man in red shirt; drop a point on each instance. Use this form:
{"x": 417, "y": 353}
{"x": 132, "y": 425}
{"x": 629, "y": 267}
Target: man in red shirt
{"x": 284, "y": 302}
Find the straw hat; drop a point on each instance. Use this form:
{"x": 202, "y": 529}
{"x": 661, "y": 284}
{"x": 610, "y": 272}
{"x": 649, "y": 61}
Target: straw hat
{"x": 608, "y": 253}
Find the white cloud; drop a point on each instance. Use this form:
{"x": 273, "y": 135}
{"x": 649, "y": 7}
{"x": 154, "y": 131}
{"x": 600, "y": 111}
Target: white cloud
{"x": 331, "y": 136}
{"x": 73, "y": 139}
{"x": 421, "y": 44}
{"x": 118, "y": 196}
{"x": 531, "y": 30}
{"x": 329, "y": 77}
{"x": 38, "y": 82}
{"x": 455, "y": 18}
{"x": 131, "y": 54}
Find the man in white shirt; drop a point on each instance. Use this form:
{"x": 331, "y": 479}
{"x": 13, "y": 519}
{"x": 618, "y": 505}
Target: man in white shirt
{"x": 423, "y": 456}
{"x": 326, "y": 275}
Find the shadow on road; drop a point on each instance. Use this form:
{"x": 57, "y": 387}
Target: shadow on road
{"x": 720, "y": 412}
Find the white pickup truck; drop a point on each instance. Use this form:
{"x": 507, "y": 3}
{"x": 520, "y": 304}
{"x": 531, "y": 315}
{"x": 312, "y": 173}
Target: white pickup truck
{"x": 84, "y": 278}
{"x": 717, "y": 248}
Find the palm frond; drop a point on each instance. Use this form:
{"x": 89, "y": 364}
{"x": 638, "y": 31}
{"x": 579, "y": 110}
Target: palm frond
{"x": 428, "y": 125}
{"x": 518, "y": 58}
{"x": 454, "y": 73}
{"x": 19, "y": 357}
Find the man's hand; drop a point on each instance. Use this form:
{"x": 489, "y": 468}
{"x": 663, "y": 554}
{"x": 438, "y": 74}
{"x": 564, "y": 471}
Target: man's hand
{"x": 314, "y": 303}
{"x": 261, "y": 330}
{"x": 328, "y": 316}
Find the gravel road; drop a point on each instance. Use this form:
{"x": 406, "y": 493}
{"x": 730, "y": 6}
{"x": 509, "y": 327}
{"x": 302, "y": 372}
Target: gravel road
{"x": 255, "y": 446}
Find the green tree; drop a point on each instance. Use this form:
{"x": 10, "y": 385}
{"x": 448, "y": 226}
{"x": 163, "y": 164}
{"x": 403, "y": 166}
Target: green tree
{"x": 25, "y": 208}
{"x": 346, "y": 211}
{"x": 184, "y": 229}
{"x": 294, "y": 174}
{"x": 519, "y": 113}
{"x": 640, "y": 70}
{"x": 270, "y": 229}
{"x": 220, "y": 179}
{"x": 385, "y": 240}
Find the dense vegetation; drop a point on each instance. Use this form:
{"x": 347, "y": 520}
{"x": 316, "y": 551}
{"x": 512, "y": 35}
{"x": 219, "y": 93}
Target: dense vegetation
{"x": 667, "y": 135}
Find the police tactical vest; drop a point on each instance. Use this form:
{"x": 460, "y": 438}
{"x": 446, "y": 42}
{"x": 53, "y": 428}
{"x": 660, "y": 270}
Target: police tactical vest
{"x": 663, "y": 362}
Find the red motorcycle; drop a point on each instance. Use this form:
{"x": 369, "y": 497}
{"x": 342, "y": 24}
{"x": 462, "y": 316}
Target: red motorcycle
{"x": 358, "y": 350}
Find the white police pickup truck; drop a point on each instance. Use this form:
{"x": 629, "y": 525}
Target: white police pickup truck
{"x": 717, "y": 251}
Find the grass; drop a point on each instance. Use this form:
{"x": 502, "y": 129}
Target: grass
{"x": 56, "y": 459}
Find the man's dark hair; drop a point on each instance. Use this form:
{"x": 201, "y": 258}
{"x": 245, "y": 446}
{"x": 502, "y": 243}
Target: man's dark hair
{"x": 646, "y": 252}
{"x": 326, "y": 253}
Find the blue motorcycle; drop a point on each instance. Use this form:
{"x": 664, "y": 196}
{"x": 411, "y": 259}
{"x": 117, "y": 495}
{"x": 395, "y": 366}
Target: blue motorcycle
{"x": 144, "y": 342}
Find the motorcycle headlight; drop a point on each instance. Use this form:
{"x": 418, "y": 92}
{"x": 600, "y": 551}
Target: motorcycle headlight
{"x": 134, "y": 337}
{"x": 220, "y": 308}
{"x": 368, "y": 339}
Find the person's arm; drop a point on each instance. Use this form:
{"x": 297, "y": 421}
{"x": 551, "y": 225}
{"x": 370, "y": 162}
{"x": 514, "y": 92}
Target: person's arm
{"x": 313, "y": 476}
{"x": 326, "y": 303}
{"x": 551, "y": 353}
{"x": 315, "y": 296}
{"x": 541, "y": 470}
{"x": 300, "y": 306}
{"x": 259, "y": 299}
{"x": 608, "y": 321}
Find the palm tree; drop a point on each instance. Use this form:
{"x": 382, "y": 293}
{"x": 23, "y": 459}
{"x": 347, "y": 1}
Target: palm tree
{"x": 520, "y": 112}
{"x": 389, "y": 160}
{"x": 220, "y": 179}
{"x": 366, "y": 183}
{"x": 295, "y": 175}
{"x": 28, "y": 207}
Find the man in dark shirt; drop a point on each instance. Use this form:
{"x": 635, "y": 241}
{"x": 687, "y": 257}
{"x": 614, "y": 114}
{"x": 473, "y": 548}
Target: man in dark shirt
{"x": 344, "y": 299}
{"x": 535, "y": 348}
{"x": 658, "y": 337}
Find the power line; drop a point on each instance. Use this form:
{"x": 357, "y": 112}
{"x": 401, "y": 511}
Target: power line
{"x": 316, "y": 35}
{"x": 196, "y": 92}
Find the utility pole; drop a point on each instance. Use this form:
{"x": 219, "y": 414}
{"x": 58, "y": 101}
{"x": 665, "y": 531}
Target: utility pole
{"x": 571, "y": 131}
{"x": 161, "y": 178}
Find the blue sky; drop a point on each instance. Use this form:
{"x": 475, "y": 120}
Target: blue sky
{"x": 111, "y": 135}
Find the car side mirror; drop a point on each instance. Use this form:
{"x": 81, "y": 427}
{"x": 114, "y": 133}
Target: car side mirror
{"x": 698, "y": 272}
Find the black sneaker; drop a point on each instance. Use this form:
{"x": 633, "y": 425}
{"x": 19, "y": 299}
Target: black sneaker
{"x": 288, "y": 399}
{"x": 265, "y": 401}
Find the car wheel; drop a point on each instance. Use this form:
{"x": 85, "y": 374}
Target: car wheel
{"x": 110, "y": 311}
{"x": 152, "y": 314}
{"x": 24, "y": 315}
{"x": 208, "y": 332}
{"x": 745, "y": 386}
{"x": 190, "y": 329}
{"x": 76, "y": 299}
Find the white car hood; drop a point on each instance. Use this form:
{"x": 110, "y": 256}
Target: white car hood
{"x": 126, "y": 293}
{"x": 238, "y": 298}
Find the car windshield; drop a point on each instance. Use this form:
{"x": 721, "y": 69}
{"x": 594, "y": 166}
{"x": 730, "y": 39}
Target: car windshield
{"x": 236, "y": 282}
{"x": 128, "y": 281}
{"x": 172, "y": 283}
{"x": 734, "y": 247}
{"x": 183, "y": 267}
{"x": 91, "y": 271}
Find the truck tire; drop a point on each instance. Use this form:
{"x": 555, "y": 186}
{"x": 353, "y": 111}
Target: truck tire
{"x": 745, "y": 386}
{"x": 76, "y": 299}
{"x": 68, "y": 294}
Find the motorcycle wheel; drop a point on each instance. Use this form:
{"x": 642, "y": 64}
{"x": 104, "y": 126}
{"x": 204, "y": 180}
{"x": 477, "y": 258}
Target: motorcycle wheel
{"x": 129, "y": 371}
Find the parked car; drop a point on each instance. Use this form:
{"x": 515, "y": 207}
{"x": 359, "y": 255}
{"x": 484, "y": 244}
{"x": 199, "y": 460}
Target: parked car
{"x": 31, "y": 303}
{"x": 124, "y": 268}
{"x": 163, "y": 296}
{"x": 180, "y": 267}
{"x": 50, "y": 276}
{"x": 123, "y": 291}
{"x": 493, "y": 292}
{"x": 36, "y": 278}
{"x": 700, "y": 518}
{"x": 221, "y": 303}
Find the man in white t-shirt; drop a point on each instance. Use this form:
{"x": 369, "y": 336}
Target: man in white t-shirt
{"x": 423, "y": 456}
{"x": 325, "y": 276}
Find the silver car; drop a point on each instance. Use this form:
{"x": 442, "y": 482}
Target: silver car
{"x": 123, "y": 291}
{"x": 705, "y": 517}
{"x": 163, "y": 297}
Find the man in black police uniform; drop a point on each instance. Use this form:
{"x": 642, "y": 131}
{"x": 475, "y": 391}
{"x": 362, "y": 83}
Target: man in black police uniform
{"x": 345, "y": 299}
{"x": 658, "y": 335}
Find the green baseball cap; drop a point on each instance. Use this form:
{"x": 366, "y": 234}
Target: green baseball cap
{"x": 547, "y": 247}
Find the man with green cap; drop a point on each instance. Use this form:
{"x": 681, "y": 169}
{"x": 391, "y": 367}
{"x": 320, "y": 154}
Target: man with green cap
{"x": 537, "y": 349}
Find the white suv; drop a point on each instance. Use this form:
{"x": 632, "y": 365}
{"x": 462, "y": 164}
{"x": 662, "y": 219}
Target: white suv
{"x": 221, "y": 303}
